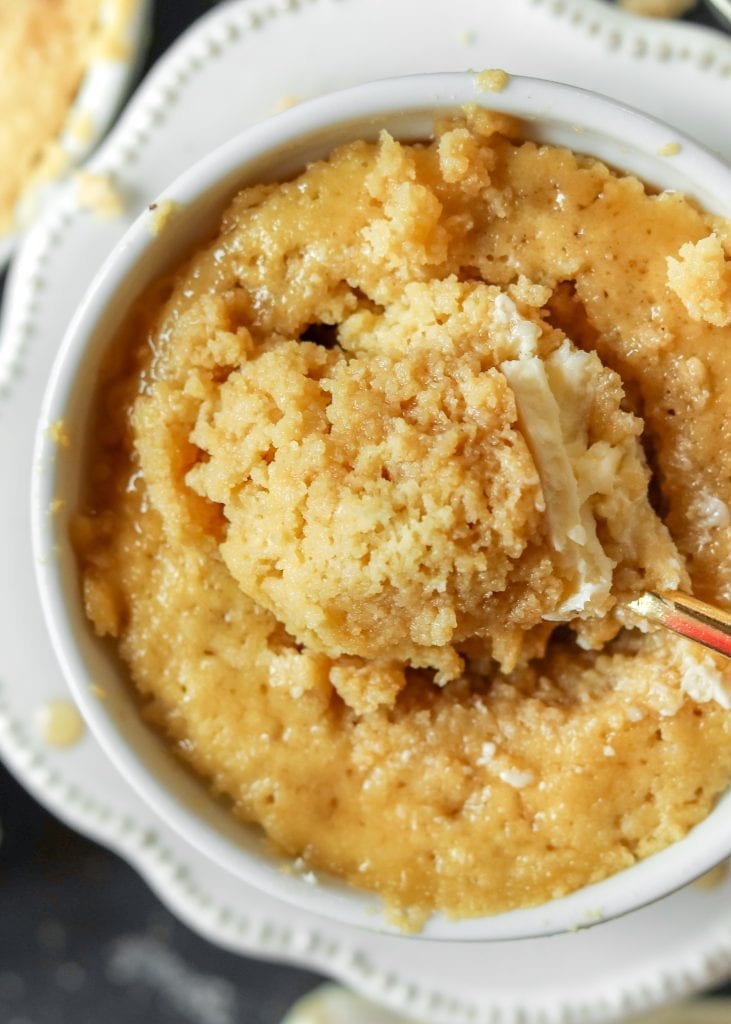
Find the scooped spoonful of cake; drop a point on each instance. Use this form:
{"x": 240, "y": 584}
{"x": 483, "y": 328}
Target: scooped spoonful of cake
{"x": 448, "y": 483}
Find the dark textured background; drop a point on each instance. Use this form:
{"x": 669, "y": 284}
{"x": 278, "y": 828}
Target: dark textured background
{"x": 82, "y": 939}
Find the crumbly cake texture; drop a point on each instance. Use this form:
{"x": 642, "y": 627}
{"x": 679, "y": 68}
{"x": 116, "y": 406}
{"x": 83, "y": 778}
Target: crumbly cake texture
{"x": 45, "y": 47}
{"x": 370, "y": 486}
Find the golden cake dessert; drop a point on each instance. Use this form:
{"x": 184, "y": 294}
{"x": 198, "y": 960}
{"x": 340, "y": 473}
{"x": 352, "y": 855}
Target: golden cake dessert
{"x": 45, "y": 49}
{"x": 374, "y": 475}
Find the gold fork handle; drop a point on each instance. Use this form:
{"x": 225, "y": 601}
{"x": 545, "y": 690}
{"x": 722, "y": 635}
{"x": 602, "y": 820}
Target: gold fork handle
{"x": 689, "y": 617}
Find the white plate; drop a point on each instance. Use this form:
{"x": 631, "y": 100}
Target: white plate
{"x": 232, "y": 68}
{"x": 332, "y": 1004}
{"x": 106, "y": 81}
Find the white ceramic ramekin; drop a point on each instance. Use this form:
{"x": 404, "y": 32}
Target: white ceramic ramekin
{"x": 272, "y": 150}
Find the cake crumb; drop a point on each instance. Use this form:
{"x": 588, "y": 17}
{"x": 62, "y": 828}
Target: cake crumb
{"x": 55, "y": 161}
{"x": 113, "y": 43}
{"x": 367, "y": 687}
{"x": 593, "y": 916}
{"x": 408, "y": 920}
{"x": 81, "y": 127}
{"x": 55, "y": 506}
{"x": 286, "y": 102}
{"x": 59, "y": 434}
{"x": 492, "y": 80}
{"x": 701, "y": 278}
{"x": 669, "y": 149}
{"x": 59, "y": 723}
{"x": 468, "y": 37}
{"x": 162, "y": 213}
{"x": 98, "y": 194}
